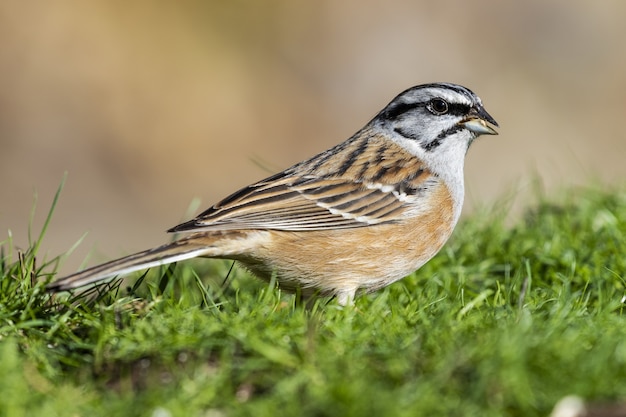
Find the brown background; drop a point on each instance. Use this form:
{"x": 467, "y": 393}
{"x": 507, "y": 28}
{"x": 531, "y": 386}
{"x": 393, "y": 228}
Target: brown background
{"x": 150, "y": 104}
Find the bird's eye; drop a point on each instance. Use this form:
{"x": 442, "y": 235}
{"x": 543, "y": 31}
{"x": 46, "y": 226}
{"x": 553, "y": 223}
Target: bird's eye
{"x": 438, "y": 106}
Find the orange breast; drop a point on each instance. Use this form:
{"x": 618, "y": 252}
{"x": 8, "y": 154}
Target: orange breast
{"x": 367, "y": 258}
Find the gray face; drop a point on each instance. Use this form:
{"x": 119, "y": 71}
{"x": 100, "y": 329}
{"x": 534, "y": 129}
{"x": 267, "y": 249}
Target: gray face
{"x": 432, "y": 113}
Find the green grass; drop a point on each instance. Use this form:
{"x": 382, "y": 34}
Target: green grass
{"x": 505, "y": 321}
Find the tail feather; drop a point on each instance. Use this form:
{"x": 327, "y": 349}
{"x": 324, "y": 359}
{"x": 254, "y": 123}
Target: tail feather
{"x": 172, "y": 252}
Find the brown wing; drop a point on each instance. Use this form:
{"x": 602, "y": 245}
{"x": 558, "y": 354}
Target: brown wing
{"x": 317, "y": 200}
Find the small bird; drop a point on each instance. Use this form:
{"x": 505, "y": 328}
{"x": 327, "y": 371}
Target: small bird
{"x": 352, "y": 219}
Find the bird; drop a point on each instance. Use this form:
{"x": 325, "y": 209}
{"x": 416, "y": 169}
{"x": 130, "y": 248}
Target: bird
{"x": 348, "y": 221}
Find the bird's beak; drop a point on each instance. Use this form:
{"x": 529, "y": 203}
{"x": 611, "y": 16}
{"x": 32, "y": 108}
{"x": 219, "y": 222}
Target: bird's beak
{"x": 477, "y": 122}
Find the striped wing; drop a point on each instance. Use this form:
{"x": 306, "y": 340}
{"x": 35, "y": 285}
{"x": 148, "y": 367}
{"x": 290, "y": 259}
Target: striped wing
{"x": 306, "y": 204}
{"x": 365, "y": 182}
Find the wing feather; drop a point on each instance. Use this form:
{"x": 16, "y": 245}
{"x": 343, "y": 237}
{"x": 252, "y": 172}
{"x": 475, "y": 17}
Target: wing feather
{"x": 291, "y": 201}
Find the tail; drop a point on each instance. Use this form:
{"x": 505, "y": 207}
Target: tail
{"x": 171, "y": 252}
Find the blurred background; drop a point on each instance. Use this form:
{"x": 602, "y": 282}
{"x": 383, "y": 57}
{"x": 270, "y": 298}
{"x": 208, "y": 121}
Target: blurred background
{"x": 149, "y": 105}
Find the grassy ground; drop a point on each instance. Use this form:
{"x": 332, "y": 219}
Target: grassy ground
{"x": 505, "y": 321}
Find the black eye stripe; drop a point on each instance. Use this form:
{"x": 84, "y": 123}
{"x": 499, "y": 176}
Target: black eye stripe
{"x": 396, "y": 110}
{"x": 458, "y": 109}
